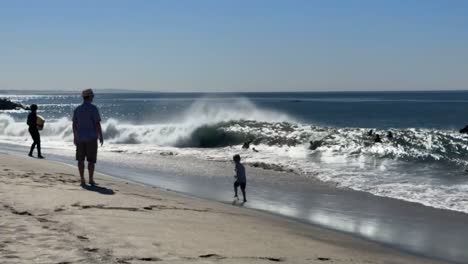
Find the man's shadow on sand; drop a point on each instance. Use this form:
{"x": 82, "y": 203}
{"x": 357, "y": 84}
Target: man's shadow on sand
{"x": 98, "y": 189}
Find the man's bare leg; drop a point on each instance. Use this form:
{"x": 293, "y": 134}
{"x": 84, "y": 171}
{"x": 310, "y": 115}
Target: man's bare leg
{"x": 91, "y": 173}
{"x": 81, "y": 170}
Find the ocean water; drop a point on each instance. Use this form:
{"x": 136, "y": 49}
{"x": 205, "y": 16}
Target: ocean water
{"x": 425, "y": 161}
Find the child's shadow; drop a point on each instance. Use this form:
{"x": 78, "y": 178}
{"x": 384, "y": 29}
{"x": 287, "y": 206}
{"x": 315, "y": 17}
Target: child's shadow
{"x": 236, "y": 202}
{"x": 98, "y": 189}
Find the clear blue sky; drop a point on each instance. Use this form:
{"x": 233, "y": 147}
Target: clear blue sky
{"x": 238, "y": 45}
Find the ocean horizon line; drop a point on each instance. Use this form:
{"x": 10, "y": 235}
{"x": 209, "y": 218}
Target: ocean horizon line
{"x": 125, "y": 91}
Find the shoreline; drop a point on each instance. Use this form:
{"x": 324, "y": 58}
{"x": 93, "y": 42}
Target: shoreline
{"x": 404, "y": 226}
{"x": 187, "y": 229}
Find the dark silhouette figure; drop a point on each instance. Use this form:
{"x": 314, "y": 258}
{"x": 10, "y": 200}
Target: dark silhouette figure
{"x": 241, "y": 179}
{"x": 34, "y": 131}
{"x": 315, "y": 144}
{"x": 370, "y": 133}
{"x": 255, "y": 150}
{"x": 87, "y": 131}
{"x": 246, "y": 145}
{"x": 464, "y": 130}
{"x": 377, "y": 139}
{"x": 390, "y": 135}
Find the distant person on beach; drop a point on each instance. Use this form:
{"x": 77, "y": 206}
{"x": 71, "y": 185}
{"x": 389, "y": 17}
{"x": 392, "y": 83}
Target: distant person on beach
{"x": 86, "y": 131}
{"x": 34, "y": 131}
{"x": 241, "y": 179}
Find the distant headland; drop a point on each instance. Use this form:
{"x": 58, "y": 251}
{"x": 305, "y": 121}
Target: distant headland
{"x": 6, "y": 104}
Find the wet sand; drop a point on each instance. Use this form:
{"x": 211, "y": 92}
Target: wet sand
{"x": 47, "y": 217}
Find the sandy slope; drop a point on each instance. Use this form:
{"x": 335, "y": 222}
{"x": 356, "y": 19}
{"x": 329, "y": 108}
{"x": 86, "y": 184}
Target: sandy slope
{"x": 46, "y": 217}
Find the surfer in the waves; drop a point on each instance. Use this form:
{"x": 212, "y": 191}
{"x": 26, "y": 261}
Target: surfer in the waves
{"x": 34, "y": 131}
{"x": 377, "y": 139}
{"x": 246, "y": 144}
{"x": 389, "y": 135}
{"x": 464, "y": 130}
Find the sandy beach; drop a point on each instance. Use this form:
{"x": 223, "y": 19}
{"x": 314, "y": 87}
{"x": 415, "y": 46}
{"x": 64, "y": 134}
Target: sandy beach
{"x": 47, "y": 217}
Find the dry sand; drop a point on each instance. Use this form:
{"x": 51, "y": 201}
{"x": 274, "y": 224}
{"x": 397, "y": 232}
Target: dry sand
{"x": 46, "y": 217}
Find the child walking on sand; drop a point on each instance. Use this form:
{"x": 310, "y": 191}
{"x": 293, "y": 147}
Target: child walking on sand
{"x": 241, "y": 180}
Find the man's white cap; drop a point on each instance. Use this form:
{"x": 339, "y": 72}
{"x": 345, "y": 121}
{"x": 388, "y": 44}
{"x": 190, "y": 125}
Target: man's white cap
{"x": 87, "y": 92}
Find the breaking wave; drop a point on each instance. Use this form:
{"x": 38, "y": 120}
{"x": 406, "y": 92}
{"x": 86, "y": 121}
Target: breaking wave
{"x": 205, "y": 125}
{"x": 347, "y": 157}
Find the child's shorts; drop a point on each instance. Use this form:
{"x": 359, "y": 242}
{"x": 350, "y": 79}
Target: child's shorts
{"x": 241, "y": 184}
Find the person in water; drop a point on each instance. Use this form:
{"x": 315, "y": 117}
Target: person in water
{"x": 86, "y": 131}
{"x": 464, "y": 130}
{"x": 246, "y": 145}
{"x": 241, "y": 179}
{"x": 377, "y": 139}
{"x": 34, "y": 131}
{"x": 370, "y": 133}
{"x": 315, "y": 144}
{"x": 390, "y": 135}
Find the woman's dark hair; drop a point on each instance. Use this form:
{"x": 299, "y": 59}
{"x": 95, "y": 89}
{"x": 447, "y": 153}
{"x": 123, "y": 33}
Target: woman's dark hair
{"x": 33, "y": 107}
{"x": 236, "y": 157}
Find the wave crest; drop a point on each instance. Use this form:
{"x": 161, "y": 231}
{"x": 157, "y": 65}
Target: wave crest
{"x": 208, "y": 124}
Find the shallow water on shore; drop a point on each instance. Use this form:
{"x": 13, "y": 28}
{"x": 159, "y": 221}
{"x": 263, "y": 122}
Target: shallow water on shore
{"x": 410, "y": 227}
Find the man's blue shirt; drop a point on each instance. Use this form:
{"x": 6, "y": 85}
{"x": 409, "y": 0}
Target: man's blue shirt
{"x": 85, "y": 118}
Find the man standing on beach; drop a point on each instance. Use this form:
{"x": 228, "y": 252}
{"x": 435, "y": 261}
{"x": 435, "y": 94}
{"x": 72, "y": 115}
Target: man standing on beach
{"x": 86, "y": 131}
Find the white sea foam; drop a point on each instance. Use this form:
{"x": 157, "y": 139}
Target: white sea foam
{"x": 419, "y": 165}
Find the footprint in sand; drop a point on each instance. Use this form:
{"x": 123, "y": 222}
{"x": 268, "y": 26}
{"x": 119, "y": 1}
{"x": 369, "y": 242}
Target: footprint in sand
{"x": 82, "y": 238}
{"x": 149, "y": 259}
{"x": 272, "y": 259}
{"x": 215, "y": 256}
{"x": 91, "y": 249}
{"x": 101, "y": 206}
{"x": 44, "y": 220}
{"x": 21, "y": 212}
{"x": 219, "y": 257}
{"x": 65, "y": 174}
{"x": 129, "y": 259}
